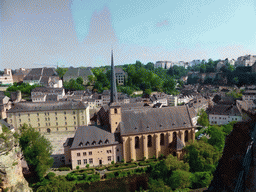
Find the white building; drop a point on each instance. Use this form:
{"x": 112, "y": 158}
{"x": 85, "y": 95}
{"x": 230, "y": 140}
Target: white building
{"x": 249, "y": 95}
{"x": 7, "y": 77}
{"x": 247, "y": 60}
{"x": 223, "y": 114}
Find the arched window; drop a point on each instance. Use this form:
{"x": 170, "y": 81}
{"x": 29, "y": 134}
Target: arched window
{"x": 115, "y": 110}
{"x": 186, "y": 136}
{"x": 162, "y": 139}
{"x": 48, "y": 130}
{"x": 137, "y": 142}
{"x": 149, "y": 141}
{"x": 174, "y": 137}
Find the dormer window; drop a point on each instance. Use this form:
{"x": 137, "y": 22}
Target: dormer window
{"x": 115, "y": 110}
{"x": 100, "y": 142}
{"x": 106, "y": 141}
{"x": 135, "y": 128}
{"x": 87, "y": 143}
{"x": 147, "y": 127}
{"x": 80, "y": 144}
{"x": 94, "y": 142}
{"x": 160, "y": 125}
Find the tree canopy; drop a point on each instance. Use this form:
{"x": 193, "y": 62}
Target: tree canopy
{"x": 36, "y": 150}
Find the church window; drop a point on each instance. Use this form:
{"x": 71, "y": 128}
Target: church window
{"x": 115, "y": 110}
{"x": 186, "y": 136}
{"x": 174, "y": 136}
{"x": 149, "y": 141}
{"x": 162, "y": 139}
{"x": 137, "y": 142}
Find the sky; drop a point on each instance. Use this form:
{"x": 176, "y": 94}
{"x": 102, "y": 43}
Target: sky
{"x": 38, "y": 33}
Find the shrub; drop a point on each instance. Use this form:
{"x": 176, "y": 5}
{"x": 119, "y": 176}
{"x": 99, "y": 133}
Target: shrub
{"x": 71, "y": 177}
{"x": 87, "y": 166}
{"x": 110, "y": 175}
{"x": 112, "y": 162}
{"x": 179, "y": 179}
{"x": 122, "y": 161}
{"x": 132, "y": 160}
{"x": 50, "y": 175}
{"x": 200, "y": 179}
{"x": 117, "y": 173}
{"x": 63, "y": 169}
{"x": 154, "y": 157}
{"x": 144, "y": 158}
{"x": 77, "y": 167}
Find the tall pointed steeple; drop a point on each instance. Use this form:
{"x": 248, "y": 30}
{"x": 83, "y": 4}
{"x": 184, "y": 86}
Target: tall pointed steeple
{"x": 113, "y": 97}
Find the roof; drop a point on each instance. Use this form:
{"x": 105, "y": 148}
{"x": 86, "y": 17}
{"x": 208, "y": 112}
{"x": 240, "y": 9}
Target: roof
{"x": 77, "y": 72}
{"x": 36, "y": 73}
{"x": 93, "y": 136}
{"x": 46, "y": 106}
{"x": 47, "y": 90}
{"x": 155, "y": 119}
{"x": 224, "y": 110}
{"x": 69, "y": 142}
{"x": 52, "y": 98}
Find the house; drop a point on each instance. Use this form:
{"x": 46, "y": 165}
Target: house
{"x": 19, "y": 74}
{"x": 7, "y": 78}
{"x": 74, "y": 73}
{"x": 159, "y": 98}
{"x": 39, "y": 94}
{"x": 5, "y": 105}
{"x": 49, "y": 116}
{"x": 130, "y": 131}
{"x": 172, "y": 100}
{"x": 249, "y": 95}
{"x": 247, "y": 60}
{"x": 47, "y": 77}
{"x": 223, "y": 114}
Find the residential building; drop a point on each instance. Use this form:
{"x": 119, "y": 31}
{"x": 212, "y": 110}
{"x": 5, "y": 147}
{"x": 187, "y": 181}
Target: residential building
{"x": 247, "y": 60}
{"x": 195, "y": 62}
{"x": 249, "y": 95}
{"x": 5, "y": 104}
{"x": 47, "y": 77}
{"x": 172, "y": 100}
{"x": 254, "y": 68}
{"x": 7, "y": 78}
{"x": 19, "y": 74}
{"x": 49, "y": 116}
{"x": 74, "y": 73}
{"x": 223, "y": 114}
{"x": 40, "y": 94}
{"x": 130, "y": 131}
{"x": 164, "y": 64}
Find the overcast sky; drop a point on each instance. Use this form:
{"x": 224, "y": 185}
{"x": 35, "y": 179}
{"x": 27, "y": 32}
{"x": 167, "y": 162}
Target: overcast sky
{"x": 77, "y": 33}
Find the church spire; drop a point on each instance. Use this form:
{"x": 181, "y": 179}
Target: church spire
{"x": 113, "y": 97}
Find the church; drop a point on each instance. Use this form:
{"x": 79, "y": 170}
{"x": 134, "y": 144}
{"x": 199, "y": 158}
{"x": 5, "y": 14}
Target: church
{"x": 130, "y": 132}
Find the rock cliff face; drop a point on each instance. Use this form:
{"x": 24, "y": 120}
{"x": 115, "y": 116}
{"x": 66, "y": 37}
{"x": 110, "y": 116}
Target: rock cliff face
{"x": 11, "y": 177}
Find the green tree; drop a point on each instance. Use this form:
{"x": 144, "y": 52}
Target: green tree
{"x": 61, "y": 71}
{"x": 201, "y": 179}
{"x": 80, "y": 80}
{"x": 201, "y": 156}
{"x": 179, "y": 179}
{"x": 217, "y": 138}
{"x": 172, "y": 163}
{"x": 150, "y": 66}
{"x": 158, "y": 186}
{"x": 203, "y": 118}
{"x": 36, "y": 150}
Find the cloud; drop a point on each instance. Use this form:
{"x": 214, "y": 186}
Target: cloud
{"x": 101, "y": 29}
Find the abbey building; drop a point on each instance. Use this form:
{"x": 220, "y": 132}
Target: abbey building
{"x": 130, "y": 132}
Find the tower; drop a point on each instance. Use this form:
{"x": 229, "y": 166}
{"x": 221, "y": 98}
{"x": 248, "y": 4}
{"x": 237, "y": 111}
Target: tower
{"x": 114, "y": 107}
{"x": 113, "y": 96}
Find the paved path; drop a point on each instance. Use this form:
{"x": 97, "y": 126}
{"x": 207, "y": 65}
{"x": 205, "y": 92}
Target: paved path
{"x": 57, "y": 140}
